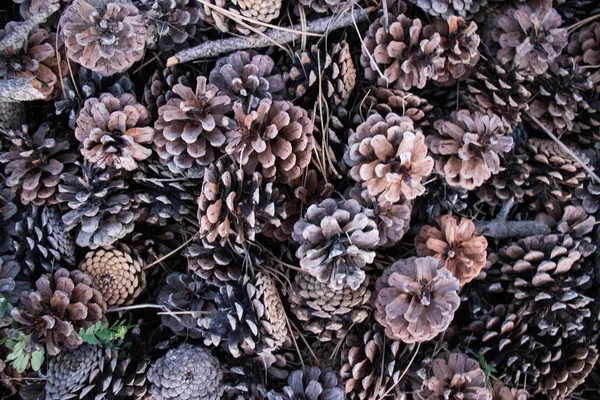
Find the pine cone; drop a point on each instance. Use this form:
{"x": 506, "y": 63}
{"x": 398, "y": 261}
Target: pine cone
{"x": 34, "y": 163}
{"x": 250, "y": 318}
{"x": 507, "y": 184}
{"x": 384, "y": 101}
{"x": 29, "y": 8}
{"x": 189, "y": 130}
{"x": 117, "y": 272}
{"x": 589, "y": 197}
{"x": 469, "y": 148}
{"x": 447, "y": 8}
{"x": 189, "y": 372}
{"x": 106, "y": 36}
{"x": 159, "y": 88}
{"x": 313, "y": 383}
{"x": 336, "y": 241}
{"x": 457, "y": 374}
{"x": 389, "y": 157}
{"x": 63, "y": 303}
{"x": 169, "y": 22}
{"x": 415, "y": 299}
{"x": 101, "y": 207}
{"x": 113, "y": 131}
{"x": 331, "y": 74}
{"x": 324, "y": 6}
{"x": 327, "y": 312}
{"x": 530, "y": 37}
{"x": 248, "y": 77}
{"x": 401, "y": 53}
{"x": 455, "y": 246}
{"x": 259, "y": 10}
{"x": 277, "y": 137}
{"x": 584, "y": 44}
{"x": 211, "y": 262}
{"x": 440, "y": 199}
{"x": 573, "y": 11}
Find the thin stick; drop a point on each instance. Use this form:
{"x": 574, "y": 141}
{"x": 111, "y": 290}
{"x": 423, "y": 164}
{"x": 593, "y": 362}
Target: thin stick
{"x": 170, "y": 253}
{"x": 403, "y": 373}
{"x": 581, "y": 23}
{"x": 135, "y": 307}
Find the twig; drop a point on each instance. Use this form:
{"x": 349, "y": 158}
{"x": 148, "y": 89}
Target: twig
{"x": 170, "y": 253}
{"x": 136, "y": 307}
{"x": 501, "y": 228}
{"x": 229, "y": 45}
{"x": 403, "y": 373}
{"x": 581, "y": 23}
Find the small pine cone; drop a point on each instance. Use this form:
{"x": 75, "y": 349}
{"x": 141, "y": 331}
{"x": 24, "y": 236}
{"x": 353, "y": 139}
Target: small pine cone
{"x": 187, "y": 372}
{"x": 248, "y": 77}
{"x": 389, "y": 158}
{"x": 455, "y": 246}
{"x": 250, "y": 318}
{"x": 334, "y": 71}
{"x": 313, "y": 383}
{"x": 266, "y": 11}
{"x": 530, "y": 37}
{"x": 63, "y": 303}
{"x": 327, "y": 312}
{"x": 189, "y": 130}
{"x": 233, "y": 205}
{"x": 460, "y": 43}
{"x": 101, "y": 207}
{"x": 180, "y": 292}
{"x": 415, "y": 299}
{"x": 589, "y": 197}
{"x": 277, "y": 137}
{"x": 159, "y": 88}
{"x": 336, "y": 241}
{"x": 113, "y": 131}
{"x": 385, "y": 101}
{"x": 402, "y": 53}
{"x": 212, "y": 263}
{"x": 117, "y": 272}
{"x": 507, "y": 184}
{"x": 458, "y": 374}
{"x": 448, "y": 8}
{"x": 469, "y": 148}
{"x": 584, "y": 45}
{"x": 35, "y": 162}
{"x": 106, "y": 36}
{"x": 169, "y": 22}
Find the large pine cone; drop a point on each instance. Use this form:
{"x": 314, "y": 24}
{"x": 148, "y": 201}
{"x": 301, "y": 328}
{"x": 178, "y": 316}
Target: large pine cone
{"x": 389, "y": 157}
{"x": 106, "y": 36}
{"x": 113, "y": 130}
{"x": 35, "y": 162}
{"x": 277, "y": 137}
{"x": 458, "y": 374}
{"x": 416, "y": 299}
{"x": 63, "y": 303}
{"x": 401, "y": 53}
{"x": 530, "y": 37}
{"x": 189, "y": 130}
{"x": 101, "y": 207}
{"x": 117, "y": 272}
{"x": 187, "y": 372}
{"x": 336, "y": 241}
{"x": 327, "y": 312}
{"x": 379, "y": 100}
{"x": 469, "y": 148}
{"x": 455, "y": 246}
{"x": 447, "y": 8}
{"x": 248, "y": 77}
{"x": 313, "y": 383}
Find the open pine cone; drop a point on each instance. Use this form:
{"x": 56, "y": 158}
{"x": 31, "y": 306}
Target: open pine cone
{"x": 264, "y": 11}
{"x": 584, "y": 44}
{"x": 159, "y": 88}
{"x": 106, "y": 36}
{"x": 313, "y": 383}
{"x": 384, "y": 101}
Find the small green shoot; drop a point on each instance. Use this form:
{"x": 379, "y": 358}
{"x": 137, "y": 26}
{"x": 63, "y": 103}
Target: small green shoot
{"x": 21, "y": 356}
{"x": 488, "y": 370}
{"x": 105, "y": 333}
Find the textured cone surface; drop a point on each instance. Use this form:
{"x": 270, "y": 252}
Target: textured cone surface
{"x": 507, "y": 184}
{"x": 584, "y": 45}
{"x": 159, "y": 88}
{"x": 447, "y": 8}
{"x": 305, "y": 384}
{"x": 212, "y": 262}
{"x": 384, "y": 101}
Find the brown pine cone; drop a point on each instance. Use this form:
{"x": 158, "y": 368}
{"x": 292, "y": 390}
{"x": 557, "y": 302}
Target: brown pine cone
{"x": 63, "y": 303}
{"x": 117, "y": 272}
{"x": 584, "y": 44}
{"x": 211, "y": 262}
{"x": 469, "y": 148}
{"x": 455, "y": 246}
{"x": 187, "y": 372}
{"x": 277, "y": 137}
{"x": 159, "y": 88}
{"x": 265, "y": 11}
{"x": 507, "y": 184}
{"x": 458, "y": 374}
{"x": 400, "y": 56}
{"x": 106, "y": 36}
{"x": 415, "y": 299}
{"x": 389, "y": 158}
{"x": 248, "y": 77}
{"x": 324, "y": 6}
{"x": 336, "y": 241}
{"x": 189, "y": 130}
{"x": 448, "y": 8}
{"x": 530, "y": 37}
{"x": 113, "y": 131}
{"x": 383, "y": 101}
{"x": 325, "y": 312}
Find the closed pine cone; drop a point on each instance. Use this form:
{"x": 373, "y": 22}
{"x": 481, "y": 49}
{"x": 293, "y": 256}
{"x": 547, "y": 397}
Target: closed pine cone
{"x": 415, "y": 299}
{"x": 189, "y": 130}
{"x": 118, "y": 273}
{"x": 336, "y": 241}
{"x": 62, "y": 303}
{"x": 384, "y": 101}
{"x": 277, "y": 137}
{"x": 469, "y": 147}
{"x": 402, "y": 53}
{"x": 113, "y": 131}
{"x": 455, "y": 246}
{"x": 389, "y": 158}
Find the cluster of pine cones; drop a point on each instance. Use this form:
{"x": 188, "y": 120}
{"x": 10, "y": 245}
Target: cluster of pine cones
{"x": 402, "y": 209}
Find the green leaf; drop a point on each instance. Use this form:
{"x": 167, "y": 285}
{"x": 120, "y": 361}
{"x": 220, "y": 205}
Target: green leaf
{"x": 5, "y": 306}
{"x": 104, "y": 333}
{"x": 37, "y": 359}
